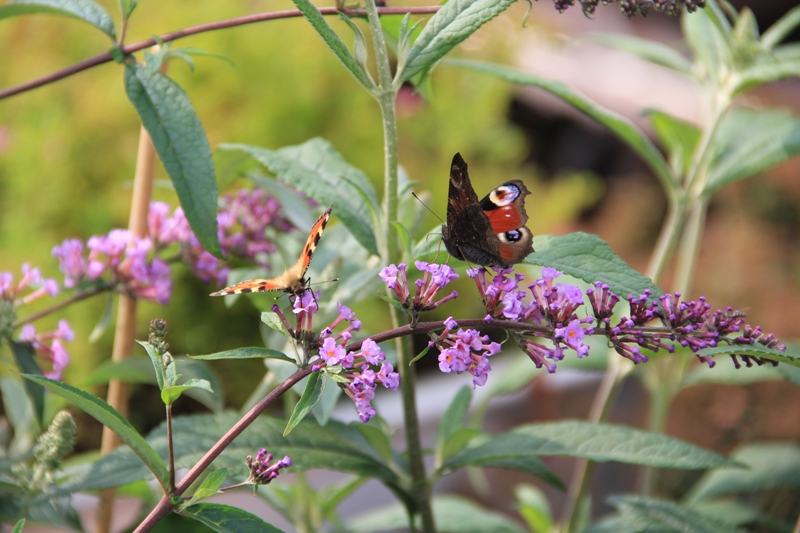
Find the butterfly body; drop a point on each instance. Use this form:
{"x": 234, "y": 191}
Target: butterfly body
{"x": 489, "y": 232}
{"x": 293, "y": 280}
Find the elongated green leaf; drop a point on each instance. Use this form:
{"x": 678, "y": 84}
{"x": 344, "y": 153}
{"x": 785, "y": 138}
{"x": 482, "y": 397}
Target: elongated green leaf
{"x": 85, "y": 10}
{"x": 109, "y": 417}
{"x": 768, "y": 69}
{"x": 453, "y": 418}
{"x": 155, "y": 359}
{"x": 454, "y": 22}
{"x": 456, "y": 442}
{"x": 318, "y": 170}
{"x": 18, "y": 526}
{"x": 620, "y": 126}
{"x": 708, "y": 42}
{"x": 756, "y": 350}
{"x": 588, "y": 257}
{"x": 781, "y": 28}
{"x": 337, "y": 46}
{"x": 253, "y": 352}
{"x": 327, "y": 403}
{"x": 182, "y": 146}
{"x": 532, "y": 465}
{"x": 751, "y": 142}
{"x": 226, "y": 519}
{"x": 770, "y": 465}
{"x": 336, "y": 446}
{"x": 678, "y": 137}
{"x": 274, "y": 322}
{"x": 663, "y": 516}
{"x": 534, "y": 508}
{"x": 359, "y": 46}
{"x": 209, "y": 487}
{"x": 128, "y": 6}
{"x": 23, "y": 357}
{"x": 171, "y": 393}
{"x": 315, "y": 387}
{"x": 652, "y": 51}
{"x": 597, "y": 442}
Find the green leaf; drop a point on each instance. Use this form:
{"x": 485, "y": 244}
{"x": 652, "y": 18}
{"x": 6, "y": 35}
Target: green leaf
{"x": 454, "y": 22}
{"x": 18, "y": 410}
{"x": 18, "y": 526}
{"x": 318, "y": 170}
{"x": 209, "y": 487}
{"x": 534, "y": 508}
{"x": 359, "y": 46}
{"x": 750, "y": 142}
{"x": 109, "y": 417}
{"x": 768, "y": 69}
{"x": 315, "y": 387}
{"x": 130, "y": 370}
{"x": 708, "y": 43}
{"x": 770, "y": 465}
{"x": 652, "y": 51}
{"x": 171, "y": 393}
{"x": 128, "y": 6}
{"x": 327, "y": 403}
{"x": 649, "y": 514}
{"x": 679, "y": 138}
{"x": 246, "y": 353}
{"x": 337, "y": 46}
{"x": 202, "y": 371}
{"x": 620, "y": 126}
{"x": 453, "y": 418}
{"x": 23, "y": 357}
{"x": 226, "y": 519}
{"x": 531, "y": 465}
{"x": 456, "y": 442}
{"x": 596, "y": 442}
{"x": 588, "y": 257}
{"x": 378, "y": 436}
{"x": 756, "y": 350}
{"x": 158, "y": 365}
{"x": 85, "y": 10}
{"x": 181, "y": 143}
{"x": 781, "y": 28}
{"x": 274, "y": 322}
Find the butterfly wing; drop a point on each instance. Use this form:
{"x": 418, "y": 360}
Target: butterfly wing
{"x": 468, "y": 234}
{"x": 505, "y": 209}
{"x": 293, "y": 279}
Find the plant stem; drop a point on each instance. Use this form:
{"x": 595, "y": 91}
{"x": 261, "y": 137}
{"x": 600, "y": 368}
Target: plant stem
{"x": 668, "y": 238}
{"x": 170, "y": 450}
{"x": 165, "y": 505}
{"x": 386, "y": 96}
{"x": 59, "y": 306}
{"x": 105, "y": 57}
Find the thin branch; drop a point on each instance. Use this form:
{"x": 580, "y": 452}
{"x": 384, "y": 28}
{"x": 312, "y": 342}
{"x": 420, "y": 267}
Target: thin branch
{"x": 61, "y": 305}
{"x": 105, "y": 57}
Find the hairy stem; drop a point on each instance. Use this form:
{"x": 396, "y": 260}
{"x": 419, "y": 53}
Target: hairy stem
{"x": 33, "y": 317}
{"x": 106, "y": 57}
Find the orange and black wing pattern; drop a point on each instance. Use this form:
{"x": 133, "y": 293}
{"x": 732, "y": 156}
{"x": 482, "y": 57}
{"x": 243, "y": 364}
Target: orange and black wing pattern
{"x": 293, "y": 279}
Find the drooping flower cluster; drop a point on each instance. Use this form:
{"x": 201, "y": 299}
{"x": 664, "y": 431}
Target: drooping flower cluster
{"x": 261, "y": 469}
{"x": 552, "y": 309}
{"x": 49, "y": 347}
{"x": 435, "y": 278}
{"x": 465, "y": 351}
{"x": 356, "y": 370}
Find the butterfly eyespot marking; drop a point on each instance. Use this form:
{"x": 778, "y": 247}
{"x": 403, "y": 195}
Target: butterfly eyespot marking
{"x": 510, "y": 236}
{"x": 504, "y": 195}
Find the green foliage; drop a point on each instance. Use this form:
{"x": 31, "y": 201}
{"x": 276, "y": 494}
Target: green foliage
{"x": 226, "y": 519}
{"x": 209, "y": 487}
{"x": 181, "y": 143}
{"x": 587, "y": 257}
{"x": 315, "y": 388}
{"x": 245, "y": 353}
{"x": 85, "y": 10}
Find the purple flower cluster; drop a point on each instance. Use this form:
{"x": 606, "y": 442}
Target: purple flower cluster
{"x": 552, "y": 309}
{"x": 356, "y": 367}
{"x": 465, "y": 351}
{"x": 31, "y": 277}
{"x": 127, "y": 260}
{"x": 48, "y": 346}
{"x": 261, "y": 469}
{"x": 435, "y": 278}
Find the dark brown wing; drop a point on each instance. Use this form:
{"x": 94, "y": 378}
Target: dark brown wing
{"x": 468, "y": 234}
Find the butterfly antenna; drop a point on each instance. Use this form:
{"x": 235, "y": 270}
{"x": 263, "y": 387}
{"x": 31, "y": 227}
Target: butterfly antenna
{"x": 426, "y": 206}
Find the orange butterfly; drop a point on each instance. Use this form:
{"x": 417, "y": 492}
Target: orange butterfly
{"x": 293, "y": 280}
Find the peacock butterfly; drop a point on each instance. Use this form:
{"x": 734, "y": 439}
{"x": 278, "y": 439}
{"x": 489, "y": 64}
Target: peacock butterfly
{"x": 293, "y": 280}
{"x": 491, "y": 232}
